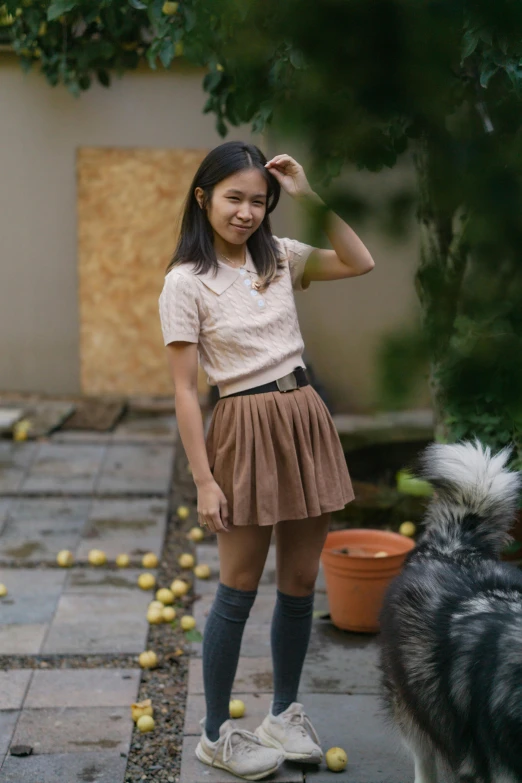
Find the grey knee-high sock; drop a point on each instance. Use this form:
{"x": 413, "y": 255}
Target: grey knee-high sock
{"x": 221, "y": 645}
{"x": 290, "y": 634}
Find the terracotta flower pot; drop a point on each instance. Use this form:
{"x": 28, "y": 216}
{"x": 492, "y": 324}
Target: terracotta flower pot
{"x": 356, "y": 582}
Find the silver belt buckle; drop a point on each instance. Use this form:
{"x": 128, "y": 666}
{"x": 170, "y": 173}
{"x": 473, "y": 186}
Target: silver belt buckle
{"x": 287, "y": 382}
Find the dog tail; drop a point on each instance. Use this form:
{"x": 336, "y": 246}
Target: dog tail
{"x": 476, "y": 495}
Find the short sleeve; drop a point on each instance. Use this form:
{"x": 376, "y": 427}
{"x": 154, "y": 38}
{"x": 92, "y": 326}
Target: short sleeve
{"x": 297, "y": 255}
{"x": 178, "y": 309}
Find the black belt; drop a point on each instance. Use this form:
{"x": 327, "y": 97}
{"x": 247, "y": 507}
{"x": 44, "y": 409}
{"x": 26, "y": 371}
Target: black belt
{"x": 289, "y": 382}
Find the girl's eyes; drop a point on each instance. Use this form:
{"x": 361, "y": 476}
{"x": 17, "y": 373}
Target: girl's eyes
{"x": 257, "y": 203}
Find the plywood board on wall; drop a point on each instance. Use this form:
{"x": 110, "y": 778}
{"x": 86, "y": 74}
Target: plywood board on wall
{"x": 129, "y": 203}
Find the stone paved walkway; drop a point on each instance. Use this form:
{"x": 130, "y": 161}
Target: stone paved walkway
{"x": 339, "y": 689}
{"x": 80, "y": 491}
{"x": 76, "y": 491}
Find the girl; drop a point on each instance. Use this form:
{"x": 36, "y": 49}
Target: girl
{"x": 272, "y": 458}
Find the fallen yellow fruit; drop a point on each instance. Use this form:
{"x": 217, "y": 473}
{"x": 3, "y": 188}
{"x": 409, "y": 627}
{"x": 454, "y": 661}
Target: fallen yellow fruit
{"x": 187, "y": 622}
{"x": 169, "y": 8}
{"x": 381, "y": 554}
{"x": 183, "y": 512}
{"x": 146, "y": 581}
{"x": 169, "y": 614}
{"x": 165, "y": 595}
{"x": 21, "y": 429}
{"x": 149, "y": 560}
{"x": 122, "y": 561}
{"x": 202, "y": 571}
{"x": 336, "y": 759}
{"x": 148, "y": 659}
{"x": 140, "y": 708}
{"x": 155, "y": 616}
{"x": 145, "y": 723}
{"x": 195, "y": 534}
{"x": 179, "y": 588}
{"x": 155, "y": 605}
{"x": 3, "y": 591}
{"x": 407, "y": 529}
{"x": 64, "y": 558}
{"x": 96, "y": 557}
{"x": 236, "y": 708}
{"x": 186, "y": 561}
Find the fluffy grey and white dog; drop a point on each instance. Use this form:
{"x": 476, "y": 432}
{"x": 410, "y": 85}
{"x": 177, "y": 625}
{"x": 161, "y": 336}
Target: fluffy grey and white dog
{"x": 451, "y": 625}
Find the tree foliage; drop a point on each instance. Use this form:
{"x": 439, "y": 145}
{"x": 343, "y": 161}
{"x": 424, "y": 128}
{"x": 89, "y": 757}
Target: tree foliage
{"x": 360, "y": 83}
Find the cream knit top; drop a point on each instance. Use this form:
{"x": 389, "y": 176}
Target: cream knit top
{"x": 245, "y": 337}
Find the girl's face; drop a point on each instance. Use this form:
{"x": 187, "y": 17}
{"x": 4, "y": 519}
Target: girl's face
{"x": 238, "y": 206}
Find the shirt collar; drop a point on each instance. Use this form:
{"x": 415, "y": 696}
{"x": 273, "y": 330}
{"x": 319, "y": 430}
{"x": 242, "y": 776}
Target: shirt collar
{"x": 226, "y": 275}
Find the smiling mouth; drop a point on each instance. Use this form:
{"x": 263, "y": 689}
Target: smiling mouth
{"x": 242, "y": 228}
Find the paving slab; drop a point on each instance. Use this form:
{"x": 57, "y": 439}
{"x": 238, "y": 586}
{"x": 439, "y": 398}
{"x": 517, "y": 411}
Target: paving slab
{"x": 355, "y": 723}
{"x": 136, "y": 469}
{"x": 102, "y": 622}
{"x": 13, "y": 687}
{"x": 160, "y": 429}
{"x": 69, "y": 730}
{"x": 193, "y": 771}
{"x": 60, "y": 468}
{"x": 36, "y": 529}
{"x": 133, "y": 525}
{"x": 22, "y": 639}
{"x": 5, "y": 504}
{"x": 79, "y": 436}
{"x": 8, "y": 417}
{"x": 83, "y": 688}
{"x": 100, "y": 767}
{"x": 104, "y": 580}
{"x": 254, "y": 675}
{"x": 8, "y": 720}
{"x": 33, "y": 594}
{"x": 15, "y": 460}
{"x": 257, "y": 706}
{"x": 340, "y": 662}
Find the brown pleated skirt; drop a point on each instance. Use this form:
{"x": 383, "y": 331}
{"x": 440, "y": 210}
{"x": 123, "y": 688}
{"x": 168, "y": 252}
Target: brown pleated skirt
{"x": 277, "y": 456}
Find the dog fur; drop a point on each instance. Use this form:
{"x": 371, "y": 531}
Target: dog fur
{"x": 451, "y": 625}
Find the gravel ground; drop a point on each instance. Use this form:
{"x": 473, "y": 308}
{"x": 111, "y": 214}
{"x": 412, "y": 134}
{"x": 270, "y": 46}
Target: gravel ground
{"x": 156, "y": 757}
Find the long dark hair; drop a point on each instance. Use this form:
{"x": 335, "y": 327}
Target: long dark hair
{"x": 196, "y": 238}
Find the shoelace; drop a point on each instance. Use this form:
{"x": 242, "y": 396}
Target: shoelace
{"x": 302, "y": 720}
{"x": 226, "y": 742}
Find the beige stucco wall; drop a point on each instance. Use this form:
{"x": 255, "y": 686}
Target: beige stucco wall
{"x": 40, "y": 130}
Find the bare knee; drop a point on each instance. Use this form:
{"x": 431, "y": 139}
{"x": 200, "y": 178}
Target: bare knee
{"x": 241, "y": 580}
{"x": 300, "y": 582}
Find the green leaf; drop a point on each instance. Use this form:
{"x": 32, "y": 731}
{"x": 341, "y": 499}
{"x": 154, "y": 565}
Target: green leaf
{"x": 212, "y": 80}
{"x": 488, "y": 70}
{"x": 166, "y": 53}
{"x": 103, "y": 77}
{"x": 470, "y": 42}
{"x": 60, "y": 7}
{"x": 193, "y": 635}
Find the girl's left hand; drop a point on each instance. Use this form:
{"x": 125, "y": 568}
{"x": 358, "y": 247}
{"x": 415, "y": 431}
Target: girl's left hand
{"x": 290, "y": 175}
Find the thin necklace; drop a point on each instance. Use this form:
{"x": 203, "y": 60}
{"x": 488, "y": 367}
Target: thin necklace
{"x": 231, "y": 262}
{"x": 255, "y": 284}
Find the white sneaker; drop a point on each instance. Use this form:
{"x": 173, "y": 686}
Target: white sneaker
{"x": 238, "y": 751}
{"x": 293, "y": 733}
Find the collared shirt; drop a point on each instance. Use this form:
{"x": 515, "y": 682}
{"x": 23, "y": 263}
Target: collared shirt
{"x": 245, "y": 337}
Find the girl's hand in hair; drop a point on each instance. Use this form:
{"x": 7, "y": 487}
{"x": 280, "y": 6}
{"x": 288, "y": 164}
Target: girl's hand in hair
{"x": 213, "y": 507}
{"x": 290, "y": 175}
